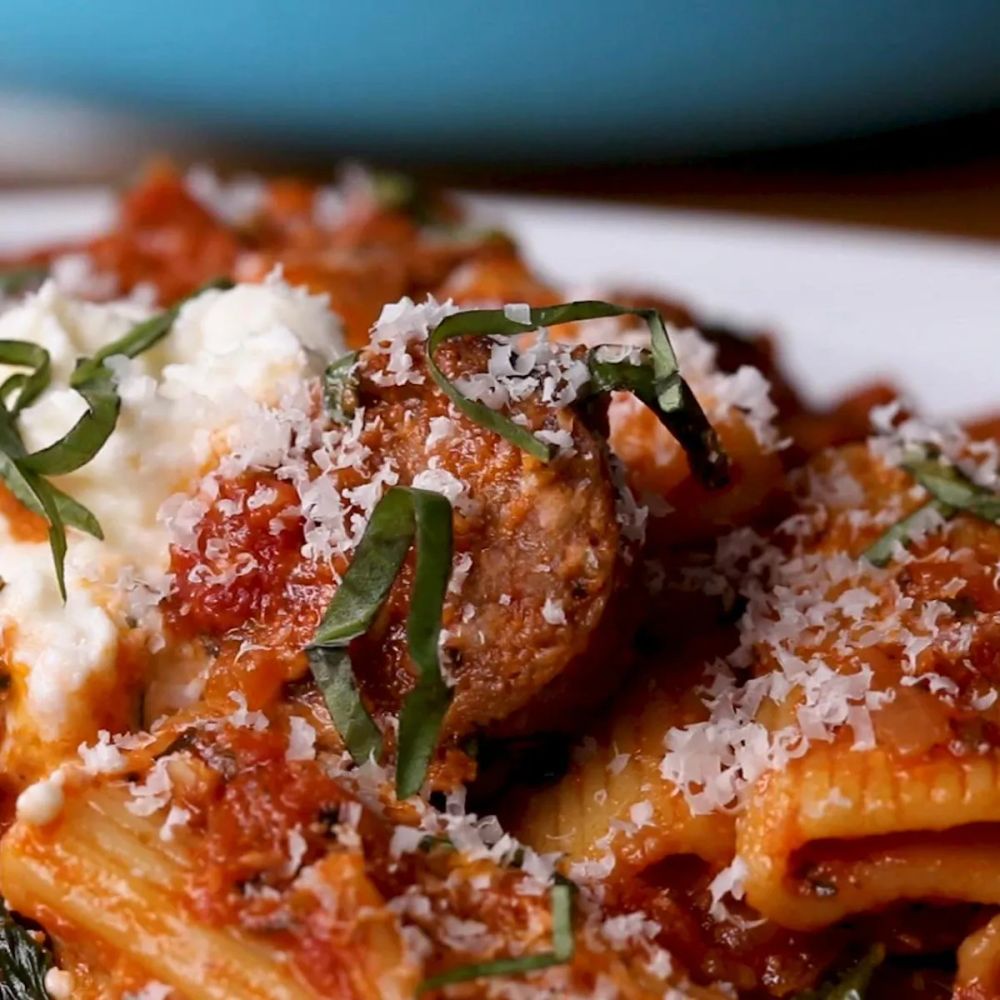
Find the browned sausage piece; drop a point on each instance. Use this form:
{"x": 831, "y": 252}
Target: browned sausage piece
{"x": 534, "y": 618}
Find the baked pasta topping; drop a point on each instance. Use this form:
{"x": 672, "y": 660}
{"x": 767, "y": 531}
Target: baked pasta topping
{"x": 377, "y": 623}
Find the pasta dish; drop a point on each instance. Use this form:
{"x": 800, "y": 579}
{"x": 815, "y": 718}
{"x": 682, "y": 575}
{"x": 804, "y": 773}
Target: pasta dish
{"x": 379, "y": 621}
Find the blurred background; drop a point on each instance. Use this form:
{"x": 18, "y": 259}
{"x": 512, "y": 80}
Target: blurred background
{"x": 882, "y": 112}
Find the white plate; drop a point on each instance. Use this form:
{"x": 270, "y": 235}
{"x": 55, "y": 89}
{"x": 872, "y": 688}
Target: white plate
{"x": 848, "y": 305}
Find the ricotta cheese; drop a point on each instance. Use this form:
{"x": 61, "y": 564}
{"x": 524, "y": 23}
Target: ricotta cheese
{"x": 229, "y": 353}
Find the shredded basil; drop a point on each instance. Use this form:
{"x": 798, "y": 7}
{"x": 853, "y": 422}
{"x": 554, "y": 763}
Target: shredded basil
{"x": 880, "y": 553}
{"x": 953, "y": 488}
{"x": 656, "y": 380}
{"x": 87, "y": 436}
{"x": 424, "y": 708}
{"x": 561, "y": 952}
{"x": 851, "y": 984}
{"x": 951, "y": 491}
{"x": 35, "y": 493}
{"x": 331, "y": 668}
{"x": 15, "y": 280}
{"x": 24, "y": 474}
{"x": 23, "y": 961}
{"x": 21, "y": 353}
{"x": 401, "y": 516}
{"x": 340, "y": 388}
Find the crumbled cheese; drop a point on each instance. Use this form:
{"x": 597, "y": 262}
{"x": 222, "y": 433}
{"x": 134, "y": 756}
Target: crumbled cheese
{"x": 518, "y": 312}
{"x": 297, "y": 848}
{"x": 399, "y": 325}
{"x": 553, "y": 613}
{"x": 262, "y": 496}
{"x": 154, "y": 793}
{"x": 75, "y": 274}
{"x": 405, "y": 840}
{"x": 549, "y": 370}
{"x": 984, "y": 701}
{"x": 461, "y": 566}
{"x": 641, "y": 814}
{"x": 728, "y": 882}
{"x": 834, "y": 799}
{"x": 236, "y": 202}
{"x": 442, "y": 428}
{"x": 628, "y": 928}
{"x": 631, "y": 516}
{"x": 561, "y": 439}
{"x": 39, "y": 804}
{"x": 243, "y": 718}
{"x": 592, "y": 870}
{"x": 177, "y": 817}
{"x": 301, "y": 740}
{"x": 439, "y": 480}
{"x": 103, "y": 757}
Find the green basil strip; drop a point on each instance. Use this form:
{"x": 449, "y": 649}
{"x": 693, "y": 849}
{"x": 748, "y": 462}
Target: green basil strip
{"x": 425, "y": 706}
{"x": 15, "y": 280}
{"x": 852, "y": 984}
{"x": 951, "y": 487}
{"x": 142, "y": 336}
{"x": 666, "y": 392}
{"x": 400, "y": 516}
{"x": 880, "y": 553}
{"x": 479, "y": 323}
{"x": 74, "y": 514}
{"x": 622, "y": 376}
{"x": 951, "y": 491}
{"x": 561, "y": 952}
{"x": 349, "y": 615}
{"x": 704, "y": 452}
{"x": 340, "y": 388}
{"x": 24, "y": 354}
{"x": 88, "y": 435}
{"x": 23, "y": 961}
{"x": 34, "y": 493}
{"x": 331, "y": 668}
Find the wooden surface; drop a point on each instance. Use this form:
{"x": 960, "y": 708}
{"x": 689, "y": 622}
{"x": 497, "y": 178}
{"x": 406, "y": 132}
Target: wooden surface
{"x": 937, "y": 179}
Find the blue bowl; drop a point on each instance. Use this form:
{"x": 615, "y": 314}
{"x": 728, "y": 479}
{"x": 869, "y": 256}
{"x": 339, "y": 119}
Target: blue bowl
{"x": 511, "y": 80}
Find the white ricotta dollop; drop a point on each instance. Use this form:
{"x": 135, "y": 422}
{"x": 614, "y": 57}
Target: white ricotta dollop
{"x": 229, "y": 351}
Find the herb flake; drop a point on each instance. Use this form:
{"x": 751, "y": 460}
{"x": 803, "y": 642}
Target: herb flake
{"x": 402, "y": 517}
{"x": 23, "y": 961}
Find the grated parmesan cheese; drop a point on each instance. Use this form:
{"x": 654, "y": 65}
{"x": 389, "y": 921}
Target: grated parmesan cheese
{"x": 154, "y": 793}
{"x": 553, "y": 613}
{"x": 103, "y": 757}
{"x": 301, "y": 740}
